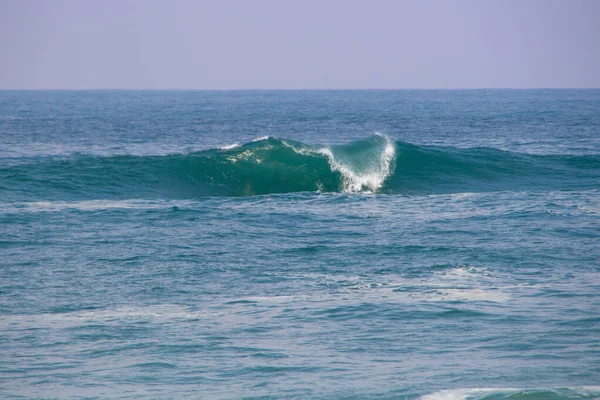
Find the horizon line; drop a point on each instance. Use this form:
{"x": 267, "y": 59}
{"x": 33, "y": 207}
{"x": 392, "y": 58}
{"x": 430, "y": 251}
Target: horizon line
{"x": 290, "y": 89}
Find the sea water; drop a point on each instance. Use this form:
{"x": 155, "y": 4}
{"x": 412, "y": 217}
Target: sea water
{"x": 300, "y": 244}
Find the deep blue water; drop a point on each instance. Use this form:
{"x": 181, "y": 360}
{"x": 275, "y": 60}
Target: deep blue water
{"x": 300, "y": 244}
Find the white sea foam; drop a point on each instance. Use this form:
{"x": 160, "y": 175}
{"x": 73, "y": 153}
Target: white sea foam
{"x": 457, "y": 284}
{"x": 461, "y": 394}
{"x": 369, "y": 180}
{"x": 493, "y": 295}
{"x": 229, "y": 146}
{"x": 155, "y": 313}
{"x": 90, "y": 205}
{"x": 475, "y": 393}
{"x": 247, "y": 155}
{"x": 373, "y": 178}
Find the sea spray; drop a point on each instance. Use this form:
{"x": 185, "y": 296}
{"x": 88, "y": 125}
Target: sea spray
{"x": 368, "y": 165}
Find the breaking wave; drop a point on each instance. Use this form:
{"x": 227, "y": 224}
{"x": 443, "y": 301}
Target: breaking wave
{"x": 376, "y": 164}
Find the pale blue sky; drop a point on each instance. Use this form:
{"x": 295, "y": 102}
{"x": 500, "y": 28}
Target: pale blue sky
{"x": 304, "y": 44}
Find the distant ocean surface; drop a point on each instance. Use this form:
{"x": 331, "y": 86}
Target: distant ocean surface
{"x": 434, "y": 245}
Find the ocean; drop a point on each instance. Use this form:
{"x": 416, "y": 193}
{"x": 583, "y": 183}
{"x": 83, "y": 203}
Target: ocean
{"x": 402, "y": 244}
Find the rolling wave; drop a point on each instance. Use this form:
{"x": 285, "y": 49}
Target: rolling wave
{"x": 376, "y": 164}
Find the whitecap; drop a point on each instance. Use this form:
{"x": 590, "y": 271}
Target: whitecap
{"x": 370, "y": 180}
{"x": 229, "y": 146}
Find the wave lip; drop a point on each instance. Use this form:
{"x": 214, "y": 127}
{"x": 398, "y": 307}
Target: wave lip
{"x": 268, "y": 165}
{"x": 365, "y": 165}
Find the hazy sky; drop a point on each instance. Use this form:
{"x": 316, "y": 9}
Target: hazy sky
{"x": 241, "y": 44}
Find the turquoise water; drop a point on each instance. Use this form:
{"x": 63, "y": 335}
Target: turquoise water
{"x": 300, "y": 244}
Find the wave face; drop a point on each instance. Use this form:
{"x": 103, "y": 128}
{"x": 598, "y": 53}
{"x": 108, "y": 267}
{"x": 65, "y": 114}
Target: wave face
{"x": 375, "y": 164}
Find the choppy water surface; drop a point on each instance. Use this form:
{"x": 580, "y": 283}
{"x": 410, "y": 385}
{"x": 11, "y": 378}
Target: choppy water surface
{"x": 300, "y": 245}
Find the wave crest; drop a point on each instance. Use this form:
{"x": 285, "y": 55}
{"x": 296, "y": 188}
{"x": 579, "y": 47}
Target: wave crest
{"x": 363, "y": 167}
{"x": 376, "y": 164}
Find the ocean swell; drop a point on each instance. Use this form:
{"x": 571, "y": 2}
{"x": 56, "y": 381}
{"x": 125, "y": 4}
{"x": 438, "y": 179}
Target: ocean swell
{"x": 376, "y": 164}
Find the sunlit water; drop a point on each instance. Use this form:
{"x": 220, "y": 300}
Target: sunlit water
{"x": 300, "y": 245}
